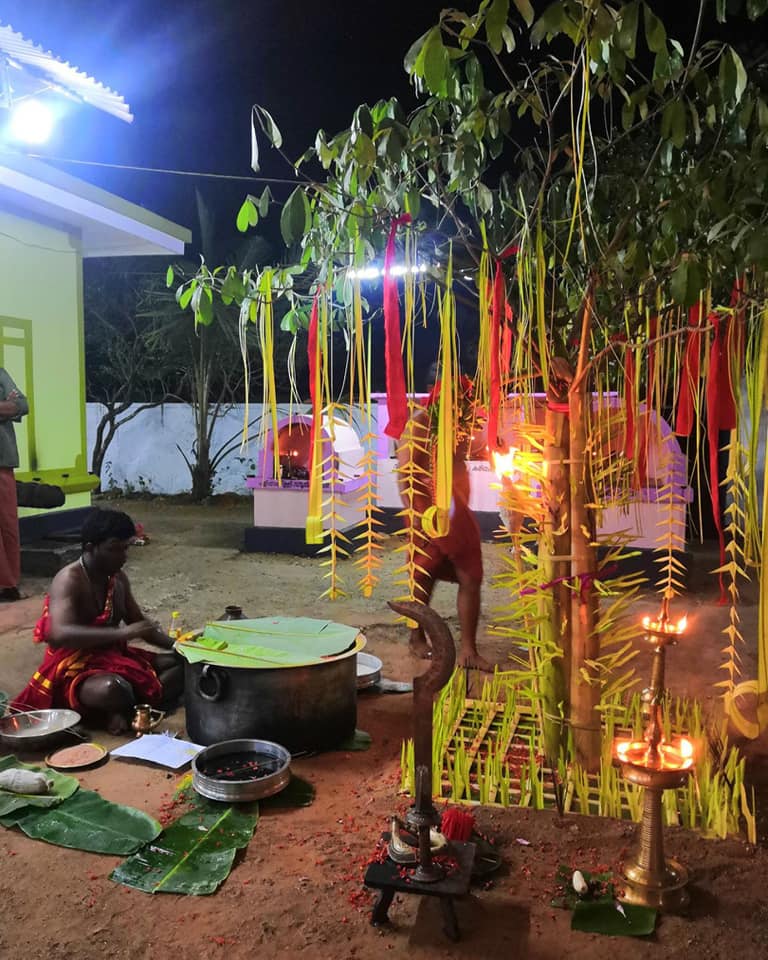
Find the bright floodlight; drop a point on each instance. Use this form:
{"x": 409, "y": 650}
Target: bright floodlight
{"x": 31, "y": 121}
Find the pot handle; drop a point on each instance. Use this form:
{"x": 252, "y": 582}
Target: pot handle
{"x": 214, "y": 680}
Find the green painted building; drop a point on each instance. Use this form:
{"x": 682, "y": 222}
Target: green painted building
{"x": 49, "y": 223}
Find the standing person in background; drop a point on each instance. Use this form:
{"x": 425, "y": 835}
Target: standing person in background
{"x": 13, "y": 406}
{"x": 456, "y": 557}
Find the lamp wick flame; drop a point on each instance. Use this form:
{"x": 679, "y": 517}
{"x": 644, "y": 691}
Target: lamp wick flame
{"x": 504, "y": 463}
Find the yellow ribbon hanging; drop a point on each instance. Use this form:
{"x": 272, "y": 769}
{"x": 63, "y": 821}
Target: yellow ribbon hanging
{"x": 436, "y": 520}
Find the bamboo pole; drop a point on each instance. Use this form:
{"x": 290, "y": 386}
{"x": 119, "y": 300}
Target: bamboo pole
{"x": 585, "y": 644}
{"x": 555, "y": 548}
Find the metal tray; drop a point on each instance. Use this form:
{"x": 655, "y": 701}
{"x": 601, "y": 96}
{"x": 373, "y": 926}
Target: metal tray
{"x": 36, "y": 729}
{"x": 368, "y": 670}
{"x": 241, "y": 791}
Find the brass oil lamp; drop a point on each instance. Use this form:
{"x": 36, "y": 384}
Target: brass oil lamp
{"x": 656, "y": 764}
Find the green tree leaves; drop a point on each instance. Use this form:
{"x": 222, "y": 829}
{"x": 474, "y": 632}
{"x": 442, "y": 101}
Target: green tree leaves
{"x": 267, "y": 123}
{"x": 655, "y": 31}
{"x": 252, "y": 208}
{"x": 432, "y": 62}
{"x": 495, "y": 22}
{"x": 732, "y": 76}
{"x": 296, "y": 217}
{"x": 526, "y": 11}
{"x": 687, "y": 282}
{"x": 673, "y": 122}
{"x": 627, "y": 36}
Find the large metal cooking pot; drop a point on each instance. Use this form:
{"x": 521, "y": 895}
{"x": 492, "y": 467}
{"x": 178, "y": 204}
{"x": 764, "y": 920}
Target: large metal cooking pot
{"x": 303, "y": 708}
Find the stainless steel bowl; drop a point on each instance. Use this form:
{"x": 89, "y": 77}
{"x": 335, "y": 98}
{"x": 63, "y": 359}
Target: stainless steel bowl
{"x": 368, "y": 670}
{"x": 241, "y": 791}
{"x": 36, "y": 729}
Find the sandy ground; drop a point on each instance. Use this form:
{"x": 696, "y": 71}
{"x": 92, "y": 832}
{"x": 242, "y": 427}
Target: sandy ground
{"x": 295, "y": 890}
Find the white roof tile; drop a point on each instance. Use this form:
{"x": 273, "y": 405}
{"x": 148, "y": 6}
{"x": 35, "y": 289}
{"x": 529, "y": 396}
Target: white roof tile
{"x": 43, "y": 65}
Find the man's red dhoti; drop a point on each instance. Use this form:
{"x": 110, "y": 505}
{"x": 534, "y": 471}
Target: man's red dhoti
{"x": 459, "y": 550}
{"x": 57, "y": 680}
{"x": 10, "y": 553}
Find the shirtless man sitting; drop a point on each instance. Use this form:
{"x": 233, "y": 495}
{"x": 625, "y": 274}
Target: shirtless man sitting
{"x": 456, "y": 557}
{"x": 89, "y": 617}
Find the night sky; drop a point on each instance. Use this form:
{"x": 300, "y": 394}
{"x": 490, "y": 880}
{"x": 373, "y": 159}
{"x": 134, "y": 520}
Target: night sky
{"x": 190, "y": 72}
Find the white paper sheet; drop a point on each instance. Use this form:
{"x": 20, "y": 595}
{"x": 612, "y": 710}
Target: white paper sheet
{"x": 164, "y": 750}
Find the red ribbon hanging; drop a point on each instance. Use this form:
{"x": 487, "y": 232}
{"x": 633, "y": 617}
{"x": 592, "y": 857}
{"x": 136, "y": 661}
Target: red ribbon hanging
{"x": 689, "y": 375}
{"x": 506, "y": 340}
{"x": 629, "y": 403}
{"x": 493, "y": 345}
{"x": 720, "y": 416}
{"x": 653, "y": 328}
{"x": 586, "y": 580}
{"x": 397, "y": 401}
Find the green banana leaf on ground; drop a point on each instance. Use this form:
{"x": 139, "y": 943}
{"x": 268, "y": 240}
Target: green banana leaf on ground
{"x": 360, "y": 740}
{"x": 298, "y": 793}
{"x": 195, "y": 854}
{"x": 597, "y": 910}
{"x": 86, "y": 821}
{"x": 604, "y": 916}
{"x": 63, "y": 787}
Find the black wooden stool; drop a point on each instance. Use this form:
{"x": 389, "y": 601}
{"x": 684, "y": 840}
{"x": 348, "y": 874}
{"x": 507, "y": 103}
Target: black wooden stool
{"x": 385, "y": 877}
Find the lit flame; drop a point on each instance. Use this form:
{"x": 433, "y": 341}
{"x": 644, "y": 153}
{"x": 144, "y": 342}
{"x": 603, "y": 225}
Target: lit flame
{"x": 665, "y": 626}
{"x": 504, "y": 463}
{"x": 678, "y": 754}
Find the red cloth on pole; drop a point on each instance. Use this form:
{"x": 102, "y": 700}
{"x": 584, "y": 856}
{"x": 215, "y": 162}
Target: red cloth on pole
{"x": 653, "y": 330}
{"x": 506, "y": 340}
{"x": 57, "y": 680}
{"x": 629, "y": 403}
{"x": 689, "y": 375}
{"x": 493, "y": 345}
{"x": 397, "y": 402}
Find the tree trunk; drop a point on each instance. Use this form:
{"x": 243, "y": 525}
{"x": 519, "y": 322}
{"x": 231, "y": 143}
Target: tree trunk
{"x": 202, "y": 475}
{"x": 101, "y": 446}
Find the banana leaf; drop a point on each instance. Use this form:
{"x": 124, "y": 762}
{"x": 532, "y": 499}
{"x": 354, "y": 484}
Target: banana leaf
{"x": 601, "y": 916}
{"x": 194, "y": 855}
{"x": 63, "y": 787}
{"x": 360, "y": 740}
{"x": 298, "y": 793}
{"x": 86, "y": 821}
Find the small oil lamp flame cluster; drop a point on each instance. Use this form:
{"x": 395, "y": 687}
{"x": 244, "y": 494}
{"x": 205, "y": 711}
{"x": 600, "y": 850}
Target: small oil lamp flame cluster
{"x": 504, "y": 464}
{"x": 657, "y": 764}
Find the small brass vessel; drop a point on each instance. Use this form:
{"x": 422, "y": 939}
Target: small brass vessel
{"x": 145, "y": 718}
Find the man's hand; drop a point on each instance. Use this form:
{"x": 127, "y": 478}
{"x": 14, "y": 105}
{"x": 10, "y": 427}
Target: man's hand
{"x": 141, "y": 630}
{"x": 147, "y": 632}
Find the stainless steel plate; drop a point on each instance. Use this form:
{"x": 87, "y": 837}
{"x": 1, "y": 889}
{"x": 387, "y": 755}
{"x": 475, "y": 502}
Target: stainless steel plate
{"x": 36, "y": 728}
{"x": 241, "y": 791}
{"x": 368, "y": 670}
